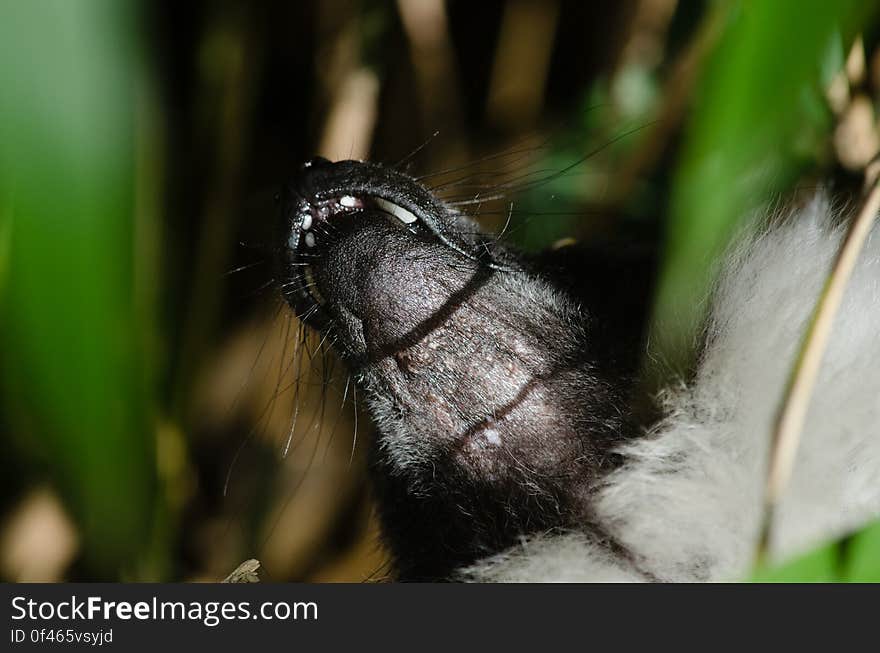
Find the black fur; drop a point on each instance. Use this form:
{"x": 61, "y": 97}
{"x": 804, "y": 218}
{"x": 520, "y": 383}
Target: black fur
{"x": 499, "y": 383}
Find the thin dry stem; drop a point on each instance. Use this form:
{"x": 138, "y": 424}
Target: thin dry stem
{"x": 792, "y": 413}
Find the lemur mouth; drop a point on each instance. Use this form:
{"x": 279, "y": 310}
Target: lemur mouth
{"x": 319, "y": 221}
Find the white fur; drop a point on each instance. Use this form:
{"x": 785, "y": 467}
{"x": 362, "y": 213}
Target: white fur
{"x": 687, "y": 505}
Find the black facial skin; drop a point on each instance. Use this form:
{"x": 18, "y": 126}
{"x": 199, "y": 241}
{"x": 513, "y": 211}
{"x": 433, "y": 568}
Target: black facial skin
{"x": 498, "y": 384}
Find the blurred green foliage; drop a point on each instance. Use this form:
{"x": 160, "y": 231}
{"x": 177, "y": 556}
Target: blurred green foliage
{"x": 855, "y": 559}
{"x": 757, "y": 120}
{"x": 76, "y": 386}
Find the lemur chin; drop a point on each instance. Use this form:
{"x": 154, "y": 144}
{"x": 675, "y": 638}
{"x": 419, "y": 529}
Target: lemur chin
{"x": 501, "y": 387}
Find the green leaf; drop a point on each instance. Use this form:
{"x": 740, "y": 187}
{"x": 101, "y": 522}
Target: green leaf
{"x": 752, "y": 115}
{"x": 819, "y": 566}
{"x": 863, "y": 556}
{"x": 74, "y": 379}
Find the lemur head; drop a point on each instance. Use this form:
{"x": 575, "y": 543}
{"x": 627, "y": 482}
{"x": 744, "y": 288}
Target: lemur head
{"x": 494, "y": 418}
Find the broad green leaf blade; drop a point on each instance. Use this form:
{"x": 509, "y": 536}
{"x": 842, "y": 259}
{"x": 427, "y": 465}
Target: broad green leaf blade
{"x": 73, "y": 376}
{"x": 755, "y": 122}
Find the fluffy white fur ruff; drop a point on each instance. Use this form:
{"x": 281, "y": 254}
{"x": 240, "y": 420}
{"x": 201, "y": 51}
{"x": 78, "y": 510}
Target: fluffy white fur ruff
{"x": 688, "y": 504}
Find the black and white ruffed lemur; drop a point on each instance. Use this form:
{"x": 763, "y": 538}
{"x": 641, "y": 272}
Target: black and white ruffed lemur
{"x": 500, "y": 387}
